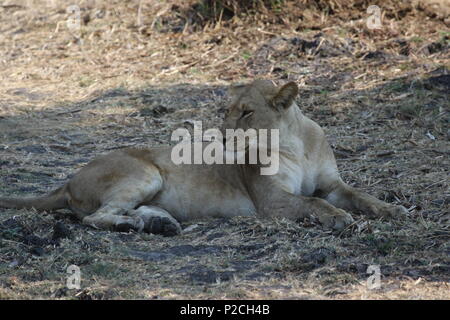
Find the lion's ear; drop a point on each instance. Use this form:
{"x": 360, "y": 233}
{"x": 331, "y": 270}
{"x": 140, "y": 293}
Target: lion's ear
{"x": 236, "y": 90}
{"x": 285, "y": 96}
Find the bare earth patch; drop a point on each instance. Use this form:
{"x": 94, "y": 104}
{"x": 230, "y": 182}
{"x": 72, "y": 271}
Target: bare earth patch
{"x": 382, "y": 97}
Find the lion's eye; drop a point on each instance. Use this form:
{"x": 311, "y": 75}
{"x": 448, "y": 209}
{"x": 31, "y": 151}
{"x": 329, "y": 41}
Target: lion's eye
{"x": 247, "y": 113}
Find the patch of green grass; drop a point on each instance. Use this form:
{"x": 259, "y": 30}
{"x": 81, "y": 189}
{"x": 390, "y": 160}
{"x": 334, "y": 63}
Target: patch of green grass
{"x": 81, "y": 259}
{"x": 417, "y": 39}
{"x": 405, "y": 66}
{"x": 183, "y": 45}
{"x": 276, "y": 5}
{"x": 410, "y": 110}
{"x": 383, "y": 245}
{"x": 342, "y": 32}
{"x": 396, "y": 86}
{"x": 11, "y": 234}
{"x": 246, "y": 55}
{"x": 340, "y": 279}
{"x": 444, "y": 37}
{"x": 119, "y": 104}
{"x": 85, "y": 82}
{"x": 194, "y": 70}
{"x": 103, "y": 269}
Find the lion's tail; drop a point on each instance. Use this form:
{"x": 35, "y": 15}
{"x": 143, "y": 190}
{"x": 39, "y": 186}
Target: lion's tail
{"x": 53, "y": 201}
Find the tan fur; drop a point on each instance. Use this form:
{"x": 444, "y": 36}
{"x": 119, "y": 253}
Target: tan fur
{"x": 142, "y": 189}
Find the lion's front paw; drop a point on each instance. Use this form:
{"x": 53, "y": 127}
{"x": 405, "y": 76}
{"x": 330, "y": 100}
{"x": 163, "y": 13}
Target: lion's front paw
{"x": 389, "y": 211}
{"x": 398, "y": 212}
{"x": 338, "y": 219}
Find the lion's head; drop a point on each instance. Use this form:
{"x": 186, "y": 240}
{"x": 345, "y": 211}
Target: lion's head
{"x": 259, "y": 105}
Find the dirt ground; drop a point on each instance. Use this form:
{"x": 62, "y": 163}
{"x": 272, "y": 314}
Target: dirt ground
{"x": 128, "y": 79}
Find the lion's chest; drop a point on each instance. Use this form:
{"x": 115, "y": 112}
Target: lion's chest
{"x": 297, "y": 176}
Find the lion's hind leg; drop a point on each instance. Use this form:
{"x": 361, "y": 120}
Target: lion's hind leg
{"x": 113, "y": 218}
{"x": 156, "y": 220}
{"x": 117, "y": 210}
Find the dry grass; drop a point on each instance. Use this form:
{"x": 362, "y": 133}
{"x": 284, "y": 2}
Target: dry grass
{"x": 382, "y": 96}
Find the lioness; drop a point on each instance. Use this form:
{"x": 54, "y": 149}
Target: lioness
{"x": 143, "y": 190}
